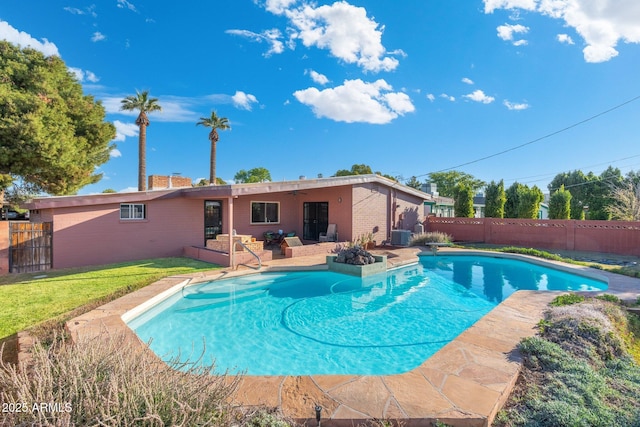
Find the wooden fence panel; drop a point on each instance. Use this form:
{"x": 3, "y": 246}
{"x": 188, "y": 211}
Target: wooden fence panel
{"x": 30, "y": 246}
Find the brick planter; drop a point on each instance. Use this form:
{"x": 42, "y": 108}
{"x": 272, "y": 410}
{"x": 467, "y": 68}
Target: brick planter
{"x": 380, "y": 266}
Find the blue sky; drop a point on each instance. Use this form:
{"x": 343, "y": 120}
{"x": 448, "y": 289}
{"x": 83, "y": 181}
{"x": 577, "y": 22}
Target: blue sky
{"x": 407, "y": 87}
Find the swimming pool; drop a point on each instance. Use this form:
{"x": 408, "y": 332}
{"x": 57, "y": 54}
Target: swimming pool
{"x": 321, "y": 322}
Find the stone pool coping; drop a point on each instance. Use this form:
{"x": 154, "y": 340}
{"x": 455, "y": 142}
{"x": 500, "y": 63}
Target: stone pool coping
{"x": 463, "y": 384}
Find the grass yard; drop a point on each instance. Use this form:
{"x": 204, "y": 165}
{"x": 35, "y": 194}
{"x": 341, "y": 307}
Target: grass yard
{"x": 27, "y": 300}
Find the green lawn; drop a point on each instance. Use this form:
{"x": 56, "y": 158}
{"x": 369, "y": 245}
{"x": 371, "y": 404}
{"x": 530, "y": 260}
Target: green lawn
{"x": 26, "y": 300}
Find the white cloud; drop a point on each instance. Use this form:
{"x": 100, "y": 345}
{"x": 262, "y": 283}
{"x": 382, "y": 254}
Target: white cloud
{"x": 321, "y": 79}
{"x": 564, "y": 38}
{"x": 84, "y": 75}
{"x": 278, "y": 7}
{"x": 271, "y": 37}
{"x": 22, "y": 39}
{"x": 357, "y": 101}
{"x": 448, "y": 97}
{"x": 115, "y": 153}
{"x": 243, "y": 101}
{"x": 124, "y": 130}
{"x": 515, "y": 106}
{"x": 479, "y": 96}
{"x": 97, "y": 36}
{"x": 431, "y": 97}
{"x": 346, "y": 31}
{"x": 600, "y": 23}
{"x": 124, "y": 4}
{"x": 174, "y": 108}
{"x": 89, "y": 10}
{"x": 74, "y": 11}
{"x": 506, "y": 32}
{"x": 491, "y": 5}
{"x": 467, "y": 80}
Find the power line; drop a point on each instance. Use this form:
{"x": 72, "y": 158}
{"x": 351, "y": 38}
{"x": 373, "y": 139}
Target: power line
{"x": 549, "y": 135}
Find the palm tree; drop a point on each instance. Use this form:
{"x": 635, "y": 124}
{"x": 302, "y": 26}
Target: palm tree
{"x": 141, "y": 102}
{"x": 214, "y": 122}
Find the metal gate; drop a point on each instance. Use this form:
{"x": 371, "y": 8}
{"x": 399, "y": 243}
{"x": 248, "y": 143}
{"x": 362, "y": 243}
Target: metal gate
{"x": 30, "y": 246}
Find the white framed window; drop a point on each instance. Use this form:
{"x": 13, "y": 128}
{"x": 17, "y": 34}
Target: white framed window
{"x": 129, "y": 211}
{"x": 265, "y": 212}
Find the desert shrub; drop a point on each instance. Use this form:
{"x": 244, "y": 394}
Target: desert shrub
{"x": 566, "y": 299}
{"x": 106, "y": 382}
{"x": 577, "y": 372}
{"x": 430, "y": 237}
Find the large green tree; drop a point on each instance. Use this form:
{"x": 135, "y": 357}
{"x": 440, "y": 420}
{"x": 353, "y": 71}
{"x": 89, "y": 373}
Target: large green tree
{"x": 578, "y": 185}
{"x": 145, "y": 105}
{"x": 529, "y": 202}
{"x": 513, "y": 200}
{"x": 495, "y": 199}
{"x": 463, "y": 201}
{"x": 252, "y": 175}
{"x": 560, "y": 204}
{"x": 523, "y": 201}
{"x": 447, "y": 182}
{"x": 52, "y": 136}
{"x": 357, "y": 169}
{"x": 214, "y": 122}
{"x": 600, "y": 197}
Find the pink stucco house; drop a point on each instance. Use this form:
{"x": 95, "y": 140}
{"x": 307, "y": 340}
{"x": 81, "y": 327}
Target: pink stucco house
{"x": 106, "y": 228}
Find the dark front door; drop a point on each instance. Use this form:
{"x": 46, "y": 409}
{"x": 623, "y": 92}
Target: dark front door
{"x": 316, "y": 219}
{"x": 212, "y": 219}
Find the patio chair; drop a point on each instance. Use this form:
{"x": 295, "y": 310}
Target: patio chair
{"x": 331, "y": 235}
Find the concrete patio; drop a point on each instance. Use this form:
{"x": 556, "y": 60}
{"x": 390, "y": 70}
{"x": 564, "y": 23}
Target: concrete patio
{"x": 463, "y": 384}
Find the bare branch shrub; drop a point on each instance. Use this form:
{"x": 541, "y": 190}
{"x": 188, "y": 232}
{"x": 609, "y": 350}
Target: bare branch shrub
{"x": 105, "y": 382}
{"x": 626, "y": 202}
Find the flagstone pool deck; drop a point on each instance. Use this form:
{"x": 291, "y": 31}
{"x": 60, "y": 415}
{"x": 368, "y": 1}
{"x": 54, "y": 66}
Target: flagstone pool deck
{"x": 463, "y": 384}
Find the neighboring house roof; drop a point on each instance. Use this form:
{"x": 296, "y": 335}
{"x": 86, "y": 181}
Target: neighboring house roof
{"x": 217, "y": 191}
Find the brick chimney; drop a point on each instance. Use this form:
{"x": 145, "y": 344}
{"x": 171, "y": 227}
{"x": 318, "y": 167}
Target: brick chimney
{"x": 162, "y": 182}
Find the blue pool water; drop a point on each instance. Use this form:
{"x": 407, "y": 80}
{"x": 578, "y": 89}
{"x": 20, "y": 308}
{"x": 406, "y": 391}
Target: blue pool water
{"x": 320, "y": 322}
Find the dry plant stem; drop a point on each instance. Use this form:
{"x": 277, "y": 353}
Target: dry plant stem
{"x": 103, "y": 381}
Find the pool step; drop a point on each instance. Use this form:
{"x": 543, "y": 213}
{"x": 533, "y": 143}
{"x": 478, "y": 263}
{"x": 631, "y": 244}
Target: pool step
{"x": 229, "y": 299}
{"x": 237, "y": 286}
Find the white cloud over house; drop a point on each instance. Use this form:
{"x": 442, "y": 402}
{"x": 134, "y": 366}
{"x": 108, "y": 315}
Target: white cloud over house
{"x": 22, "y": 39}
{"x": 321, "y": 79}
{"x": 98, "y": 36}
{"x": 564, "y": 38}
{"x": 271, "y": 37}
{"x": 602, "y": 24}
{"x": 507, "y": 31}
{"x": 356, "y": 101}
{"x": 244, "y": 101}
{"x": 341, "y": 28}
{"x": 84, "y": 75}
{"x": 124, "y": 130}
{"x": 479, "y": 96}
{"x": 515, "y": 106}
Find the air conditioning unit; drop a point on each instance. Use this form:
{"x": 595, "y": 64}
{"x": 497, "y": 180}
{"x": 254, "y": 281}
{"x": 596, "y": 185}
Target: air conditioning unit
{"x": 400, "y": 237}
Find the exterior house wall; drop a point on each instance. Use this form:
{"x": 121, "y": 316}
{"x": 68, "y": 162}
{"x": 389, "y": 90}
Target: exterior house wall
{"x": 88, "y": 230}
{"x": 292, "y": 211}
{"x": 379, "y": 209}
{"x": 408, "y": 212}
{"x": 93, "y": 235}
{"x": 371, "y": 206}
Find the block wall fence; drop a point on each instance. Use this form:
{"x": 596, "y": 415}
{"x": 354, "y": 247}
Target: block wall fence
{"x": 615, "y": 237}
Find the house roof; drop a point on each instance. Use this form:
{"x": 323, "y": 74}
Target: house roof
{"x": 221, "y": 191}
